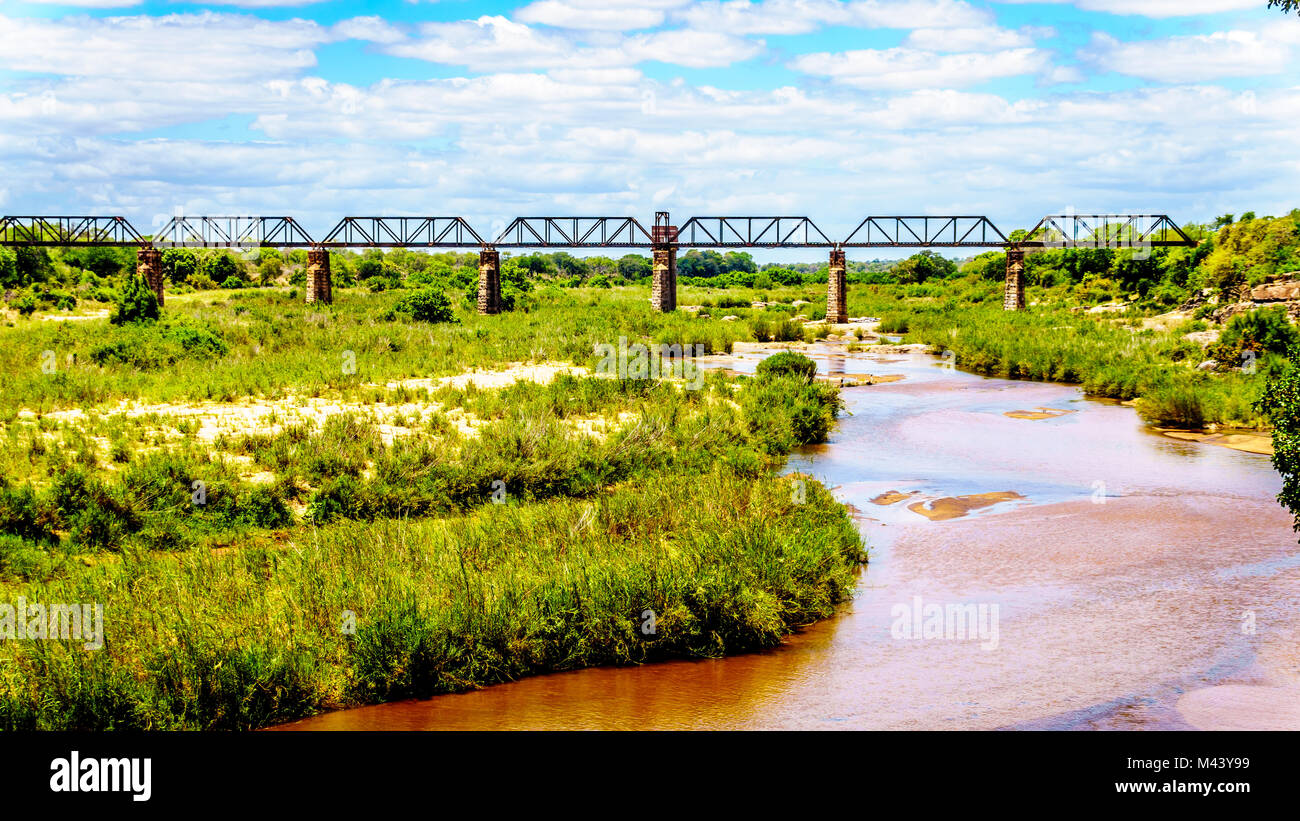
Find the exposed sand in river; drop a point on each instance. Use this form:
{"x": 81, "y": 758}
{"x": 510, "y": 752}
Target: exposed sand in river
{"x": 1245, "y": 441}
{"x": 954, "y": 507}
{"x": 1038, "y": 413}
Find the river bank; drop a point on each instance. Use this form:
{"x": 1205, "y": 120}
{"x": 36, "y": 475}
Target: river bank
{"x": 1141, "y": 581}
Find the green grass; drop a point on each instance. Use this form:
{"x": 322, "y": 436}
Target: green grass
{"x": 1107, "y": 357}
{"x": 249, "y": 638}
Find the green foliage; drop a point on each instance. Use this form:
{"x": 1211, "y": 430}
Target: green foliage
{"x": 150, "y": 347}
{"x": 1280, "y": 403}
{"x": 787, "y": 363}
{"x": 136, "y": 303}
{"x": 180, "y": 264}
{"x": 1266, "y": 330}
{"x": 220, "y": 267}
{"x": 426, "y": 305}
{"x": 923, "y": 266}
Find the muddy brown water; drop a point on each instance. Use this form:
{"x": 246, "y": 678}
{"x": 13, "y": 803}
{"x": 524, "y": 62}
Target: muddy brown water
{"x": 1140, "y": 582}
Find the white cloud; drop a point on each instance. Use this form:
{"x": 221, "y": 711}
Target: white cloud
{"x": 982, "y": 38}
{"x": 1155, "y": 8}
{"x": 802, "y": 16}
{"x": 592, "y": 14}
{"x": 206, "y": 45}
{"x": 373, "y": 29}
{"x": 1191, "y": 58}
{"x": 495, "y": 43}
{"x": 904, "y": 68}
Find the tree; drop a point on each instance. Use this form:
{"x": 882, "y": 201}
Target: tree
{"x": 136, "y": 303}
{"x": 1285, "y": 5}
{"x": 33, "y": 264}
{"x": 634, "y": 266}
{"x": 1280, "y": 402}
{"x": 8, "y": 267}
{"x": 180, "y": 264}
{"x": 923, "y": 266}
{"x": 220, "y": 267}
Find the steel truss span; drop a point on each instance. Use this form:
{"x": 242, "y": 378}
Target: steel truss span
{"x": 1055, "y": 231}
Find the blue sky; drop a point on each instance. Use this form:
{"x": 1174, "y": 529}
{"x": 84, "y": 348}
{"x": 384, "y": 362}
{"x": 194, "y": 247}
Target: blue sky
{"x": 490, "y": 110}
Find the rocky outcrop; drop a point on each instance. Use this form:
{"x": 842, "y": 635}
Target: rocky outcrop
{"x": 1284, "y": 292}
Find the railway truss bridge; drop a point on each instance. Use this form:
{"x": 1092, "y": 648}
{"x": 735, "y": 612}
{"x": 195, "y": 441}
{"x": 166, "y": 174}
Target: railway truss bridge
{"x": 1134, "y": 231}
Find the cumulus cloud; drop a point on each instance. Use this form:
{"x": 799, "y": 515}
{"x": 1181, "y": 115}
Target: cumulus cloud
{"x": 1191, "y": 58}
{"x": 496, "y": 43}
{"x": 802, "y": 16}
{"x": 1154, "y": 8}
{"x": 230, "y": 47}
{"x": 905, "y": 68}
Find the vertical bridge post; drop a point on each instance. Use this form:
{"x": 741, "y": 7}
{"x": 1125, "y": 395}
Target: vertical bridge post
{"x": 148, "y": 264}
{"x": 663, "y": 287}
{"x": 837, "y": 289}
{"x": 1014, "y": 296}
{"x": 319, "y": 284}
{"x": 489, "y": 281}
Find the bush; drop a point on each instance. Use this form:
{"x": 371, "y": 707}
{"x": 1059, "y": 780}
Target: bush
{"x": 148, "y": 348}
{"x": 426, "y": 305}
{"x": 136, "y": 303}
{"x": 788, "y": 363}
{"x": 1266, "y": 330}
{"x": 1181, "y": 404}
{"x": 25, "y": 305}
{"x": 894, "y": 325}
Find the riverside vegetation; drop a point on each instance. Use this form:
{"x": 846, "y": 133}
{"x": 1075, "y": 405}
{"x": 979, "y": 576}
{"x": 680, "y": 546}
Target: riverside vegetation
{"x": 250, "y": 577}
{"x": 618, "y": 498}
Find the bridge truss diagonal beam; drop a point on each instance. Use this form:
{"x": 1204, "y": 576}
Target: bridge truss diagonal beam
{"x": 573, "y": 232}
{"x": 1107, "y": 231}
{"x": 925, "y": 232}
{"x": 69, "y": 231}
{"x": 232, "y": 232}
{"x": 402, "y": 232}
{"x": 752, "y": 232}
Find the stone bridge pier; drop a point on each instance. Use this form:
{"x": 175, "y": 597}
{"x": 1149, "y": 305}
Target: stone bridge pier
{"x": 319, "y": 285}
{"x": 1014, "y": 296}
{"x": 837, "y": 289}
{"x": 148, "y": 264}
{"x": 489, "y": 281}
{"x": 663, "y": 286}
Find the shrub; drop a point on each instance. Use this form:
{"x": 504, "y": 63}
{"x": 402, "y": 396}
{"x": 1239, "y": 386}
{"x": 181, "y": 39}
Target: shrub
{"x": 153, "y": 347}
{"x": 25, "y": 305}
{"x": 136, "y": 303}
{"x": 1266, "y": 330}
{"x": 788, "y": 363}
{"x": 894, "y": 325}
{"x": 426, "y": 305}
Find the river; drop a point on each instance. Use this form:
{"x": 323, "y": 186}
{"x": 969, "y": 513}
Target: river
{"x": 1135, "y": 582}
